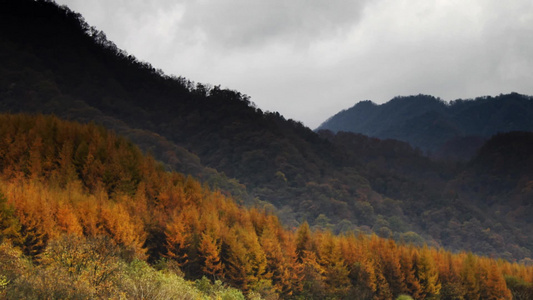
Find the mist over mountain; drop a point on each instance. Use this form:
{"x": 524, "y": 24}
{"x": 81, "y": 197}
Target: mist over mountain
{"x": 52, "y": 62}
{"x": 436, "y": 126}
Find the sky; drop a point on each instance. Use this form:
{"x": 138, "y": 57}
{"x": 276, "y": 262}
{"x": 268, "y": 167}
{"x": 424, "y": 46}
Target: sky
{"x": 309, "y": 59}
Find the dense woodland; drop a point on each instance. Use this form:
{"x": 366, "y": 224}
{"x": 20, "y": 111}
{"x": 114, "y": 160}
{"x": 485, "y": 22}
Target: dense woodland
{"x": 53, "y": 62}
{"x": 326, "y": 189}
{"x": 83, "y": 211}
{"x": 483, "y": 204}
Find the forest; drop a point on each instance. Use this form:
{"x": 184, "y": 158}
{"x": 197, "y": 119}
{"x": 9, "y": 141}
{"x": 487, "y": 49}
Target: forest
{"x": 53, "y": 62}
{"x": 86, "y": 215}
{"x": 119, "y": 181}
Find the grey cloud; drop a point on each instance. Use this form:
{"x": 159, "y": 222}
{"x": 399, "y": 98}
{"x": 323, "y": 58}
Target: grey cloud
{"x": 254, "y": 23}
{"x": 309, "y": 59}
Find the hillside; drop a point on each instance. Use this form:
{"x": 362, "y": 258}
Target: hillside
{"x": 435, "y": 126}
{"x": 501, "y": 175}
{"x": 52, "y": 62}
{"x": 482, "y": 205}
{"x": 78, "y": 75}
{"x": 83, "y": 211}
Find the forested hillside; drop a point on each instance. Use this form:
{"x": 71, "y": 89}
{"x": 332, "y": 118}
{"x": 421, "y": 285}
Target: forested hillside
{"x": 52, "y": 62}
{"x": 59, "y": 64}
{"x": 433, "y": 125}
{"x": 483, "y": 205}
{"x": 83, "y": 211}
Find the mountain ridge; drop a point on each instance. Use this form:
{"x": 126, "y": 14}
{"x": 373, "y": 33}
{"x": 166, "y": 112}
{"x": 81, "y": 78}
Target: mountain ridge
{"x": 429, "y": 123}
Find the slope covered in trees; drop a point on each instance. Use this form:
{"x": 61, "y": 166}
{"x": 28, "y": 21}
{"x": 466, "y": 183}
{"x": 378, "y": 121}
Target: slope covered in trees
{"x": 482, "y": 205}
{"x": 433, "y": 125}
{"x": 53, "y": 62}
{"x": 89, "y": 209}
{"x": 59, "y": 64}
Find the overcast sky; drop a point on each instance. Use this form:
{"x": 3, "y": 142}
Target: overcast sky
{"x": 309, "y": 59}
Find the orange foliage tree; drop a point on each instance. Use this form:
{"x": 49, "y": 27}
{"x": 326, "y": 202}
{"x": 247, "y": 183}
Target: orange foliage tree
{"x": 63, "y": 181}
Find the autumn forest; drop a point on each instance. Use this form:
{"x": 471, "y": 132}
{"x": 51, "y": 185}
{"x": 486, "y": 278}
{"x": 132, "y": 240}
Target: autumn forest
{"x": 118, "y": 181}
{"x": 88, "y": 206}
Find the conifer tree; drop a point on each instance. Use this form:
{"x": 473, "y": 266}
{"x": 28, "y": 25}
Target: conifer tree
{"x": 335, "y": 270}
{"x": 9, "y": 224}
{"x": 427, "y": 274}
{"x": 470, "y": 277}
{"x": 412, "y": 284}
{"x": 178, "y": 237}
{"x": 210, "y": 252}
{"x": 303, "y": 240}
{"x": 494, "y": 286}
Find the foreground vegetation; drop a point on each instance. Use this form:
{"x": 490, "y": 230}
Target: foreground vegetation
{"x": 72, "y": 267}
{"x": 85, "y": 214}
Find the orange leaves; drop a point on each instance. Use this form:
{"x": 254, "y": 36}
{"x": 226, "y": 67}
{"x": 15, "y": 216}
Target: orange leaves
{"x": 44, "y": 147}
{"x": 408, "y": 263}
{"x": 67, "y": 221}
{"x": 209, "y": 249}
{"x": 34, "y": 214}
{"x": 46, "y": 213}
{"x": 427, "y": 274}
{"x": 122, "y": 228}
{"x": 66, "y": 178}
{"x": 282, "y": 266}
{"x": 178, "y": 236}
{"x": 494, "y": 286}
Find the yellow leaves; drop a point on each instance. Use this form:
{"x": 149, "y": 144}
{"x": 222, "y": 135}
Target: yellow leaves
{"x": 427, "y": 273}
{"x": 333, "y": 263}
{"x": 303, "y": 240}
{"x": 12, "y": 263}
{"x": 80, "y": 265}
{"x": 3, "y": 283}
{"x": 246, "y": 260}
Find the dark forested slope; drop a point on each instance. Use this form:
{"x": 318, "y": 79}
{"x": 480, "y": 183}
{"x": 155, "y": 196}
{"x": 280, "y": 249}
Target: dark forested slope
{"x": 480, "y": 205}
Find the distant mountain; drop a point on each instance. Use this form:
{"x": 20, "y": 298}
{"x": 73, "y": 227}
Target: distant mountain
{"x": 435, "y": 126}
{"x": 53, "y": 62}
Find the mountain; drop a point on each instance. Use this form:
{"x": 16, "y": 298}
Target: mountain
{"x": 435, "y": 126}
{"x": 53, "y": 62}
{"x": 60, "y": 65}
